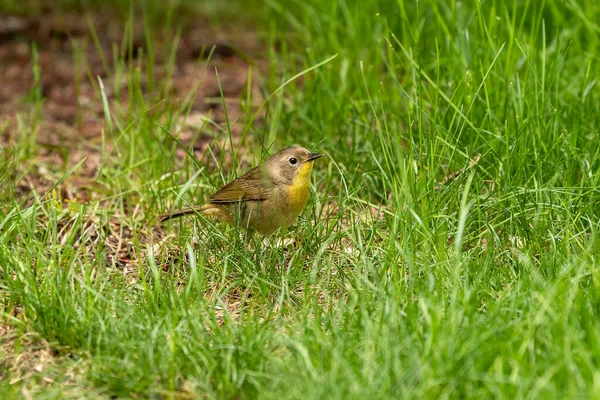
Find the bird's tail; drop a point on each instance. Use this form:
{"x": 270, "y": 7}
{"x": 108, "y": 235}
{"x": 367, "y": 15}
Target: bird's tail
{"x": 182, "y": 212}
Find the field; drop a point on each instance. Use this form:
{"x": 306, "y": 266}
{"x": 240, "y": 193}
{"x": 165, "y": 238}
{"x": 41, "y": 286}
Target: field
{"x": 450, "y": 247}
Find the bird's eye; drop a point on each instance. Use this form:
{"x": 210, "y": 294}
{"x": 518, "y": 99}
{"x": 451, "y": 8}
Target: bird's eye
{"x": 293, "y": 161}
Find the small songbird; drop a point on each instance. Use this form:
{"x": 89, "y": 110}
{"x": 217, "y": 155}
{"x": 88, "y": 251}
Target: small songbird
{"x": 267, "y": 197}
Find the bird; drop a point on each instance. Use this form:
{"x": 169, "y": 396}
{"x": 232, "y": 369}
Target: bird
{"x": 264, "y": 199}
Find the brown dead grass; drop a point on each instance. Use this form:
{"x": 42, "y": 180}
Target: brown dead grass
{"x": 30, "y": 363}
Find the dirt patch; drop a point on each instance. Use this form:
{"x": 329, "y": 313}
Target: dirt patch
{"x": 51, "y": 108}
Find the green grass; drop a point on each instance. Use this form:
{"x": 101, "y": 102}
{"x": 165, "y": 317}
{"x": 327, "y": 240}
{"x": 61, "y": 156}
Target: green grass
{"x": 486, "y": 286}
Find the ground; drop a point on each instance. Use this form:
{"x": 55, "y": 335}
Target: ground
{"x": 449, "y": 248}
{"x": 65, "y": 107}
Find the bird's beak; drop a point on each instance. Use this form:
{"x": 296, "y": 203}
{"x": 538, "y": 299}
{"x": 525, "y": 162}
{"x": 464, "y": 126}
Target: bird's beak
{"x": 313, "y": 156}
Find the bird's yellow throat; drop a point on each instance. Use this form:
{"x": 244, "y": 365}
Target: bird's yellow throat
{"x": 298, "y": 191}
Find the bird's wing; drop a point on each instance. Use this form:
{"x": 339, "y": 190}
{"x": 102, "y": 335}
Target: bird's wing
{"x": 251, "y": 186}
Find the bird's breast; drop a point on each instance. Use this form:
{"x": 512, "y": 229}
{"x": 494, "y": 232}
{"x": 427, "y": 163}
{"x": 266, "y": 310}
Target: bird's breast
{"x": 297, "y": 192}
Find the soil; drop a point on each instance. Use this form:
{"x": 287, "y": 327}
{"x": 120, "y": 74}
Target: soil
{"x": 51, "y": 105}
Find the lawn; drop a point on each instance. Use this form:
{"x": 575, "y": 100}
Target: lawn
{"x": 450, "y": 247}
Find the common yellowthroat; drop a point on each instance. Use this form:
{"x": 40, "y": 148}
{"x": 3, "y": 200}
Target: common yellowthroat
{"x": 267, "y": 197}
